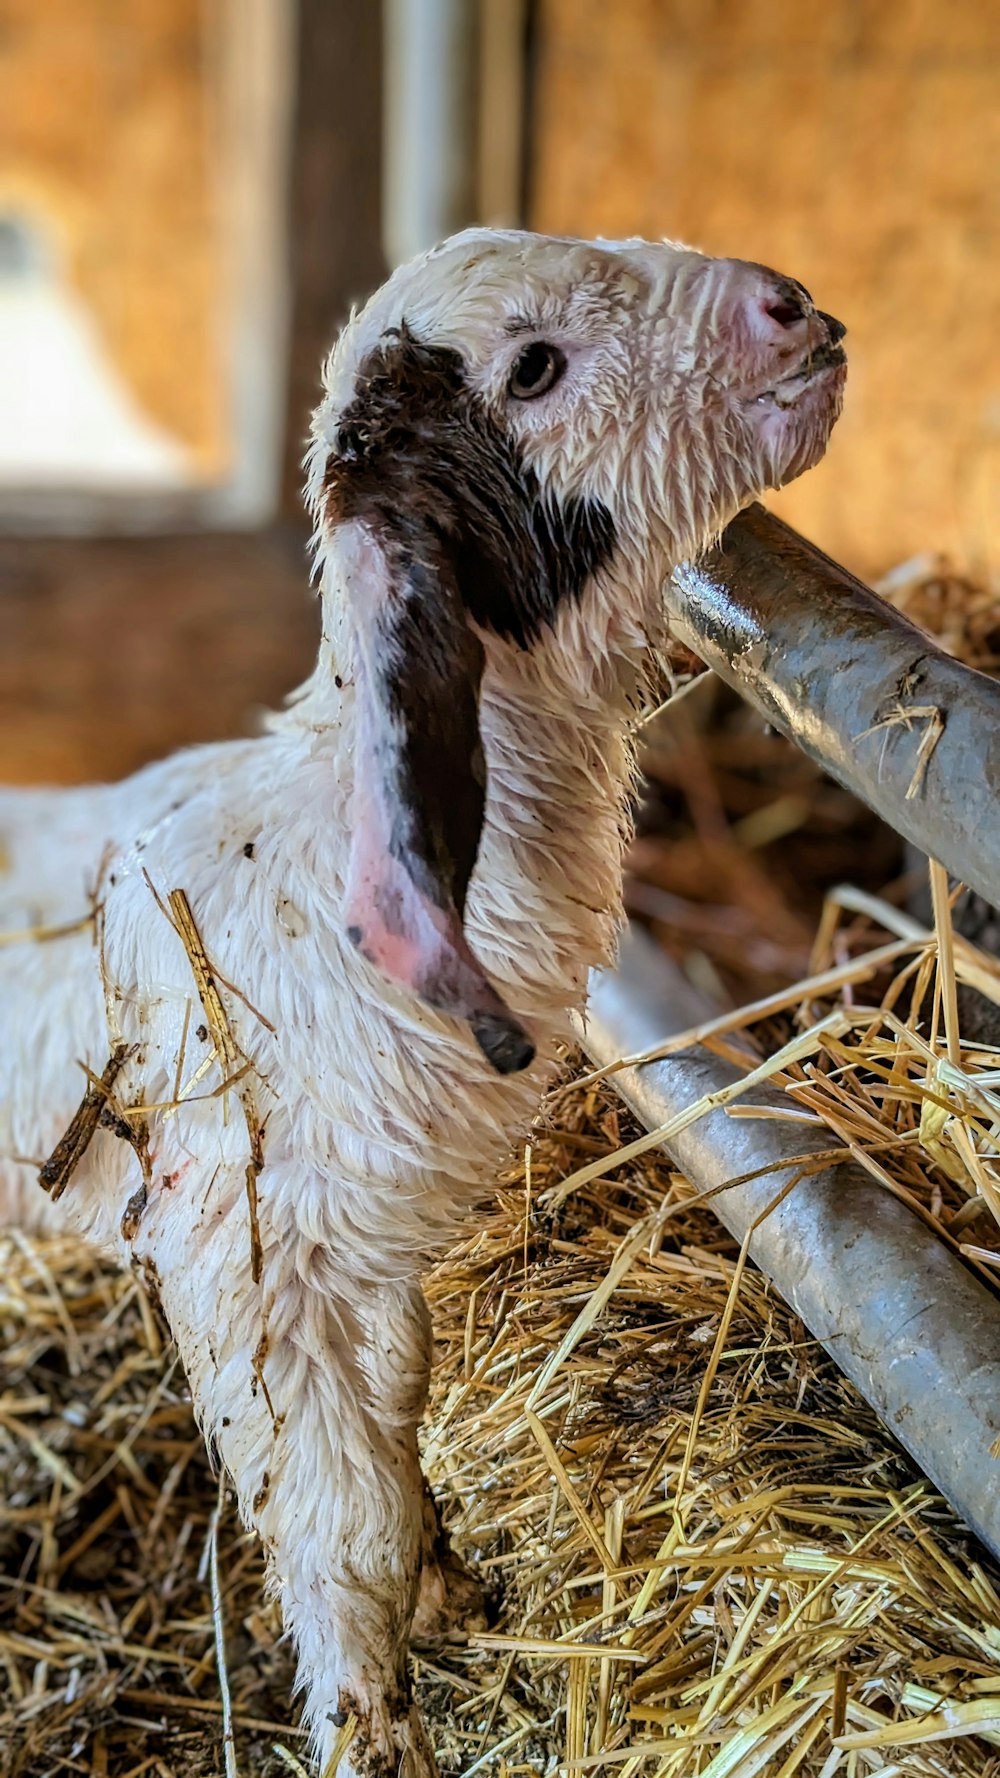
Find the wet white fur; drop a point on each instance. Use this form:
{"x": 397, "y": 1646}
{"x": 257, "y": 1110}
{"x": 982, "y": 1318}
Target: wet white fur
{"x": 383, "y": 1122}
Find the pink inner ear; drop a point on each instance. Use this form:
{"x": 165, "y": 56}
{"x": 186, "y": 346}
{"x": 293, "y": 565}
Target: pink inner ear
{"x": 418, "y": 945}
{"x": 416, "y": 939}
{"x": 389, "y": 921}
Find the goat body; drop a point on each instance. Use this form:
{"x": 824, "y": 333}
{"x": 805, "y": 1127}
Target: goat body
{"x": 323, "y": 974}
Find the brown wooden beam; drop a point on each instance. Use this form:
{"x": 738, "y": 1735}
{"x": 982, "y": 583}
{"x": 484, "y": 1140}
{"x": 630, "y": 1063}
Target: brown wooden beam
{"x": 335, "y": 200}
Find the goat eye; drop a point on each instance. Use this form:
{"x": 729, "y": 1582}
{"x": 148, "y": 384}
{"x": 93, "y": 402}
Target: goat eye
{"x": 537, "y": 369}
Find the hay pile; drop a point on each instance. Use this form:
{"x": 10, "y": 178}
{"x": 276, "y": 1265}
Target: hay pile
{"x": 107, "y": 1656}
{"x": 744, "y": 1573}
{"x": 696, "y": 1488}
{"x": 702, "y": 1554}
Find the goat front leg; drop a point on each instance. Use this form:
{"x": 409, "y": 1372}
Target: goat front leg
{"x": 399, "y": 1344}
{"x": 281, "y": 1374}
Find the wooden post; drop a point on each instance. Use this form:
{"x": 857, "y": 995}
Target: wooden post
{"x": 335, "y": 236}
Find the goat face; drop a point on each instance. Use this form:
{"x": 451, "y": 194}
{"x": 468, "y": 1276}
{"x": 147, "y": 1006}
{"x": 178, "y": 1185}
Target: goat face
{"x": 516, "y": 428}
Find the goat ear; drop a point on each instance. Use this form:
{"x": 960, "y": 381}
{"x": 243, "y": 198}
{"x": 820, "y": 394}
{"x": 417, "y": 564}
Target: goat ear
{"x": 419, "y": 783}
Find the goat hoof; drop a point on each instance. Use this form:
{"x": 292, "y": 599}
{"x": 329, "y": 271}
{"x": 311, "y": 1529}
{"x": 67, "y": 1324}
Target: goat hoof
{"x": 450, "y": 1603}
{"x": 385, "y": 1744}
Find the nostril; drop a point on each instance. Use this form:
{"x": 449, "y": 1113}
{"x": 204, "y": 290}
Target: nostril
{"x": 786, "y": 312}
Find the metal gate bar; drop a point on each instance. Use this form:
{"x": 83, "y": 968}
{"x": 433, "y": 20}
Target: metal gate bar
{"x": 871, "y": 698}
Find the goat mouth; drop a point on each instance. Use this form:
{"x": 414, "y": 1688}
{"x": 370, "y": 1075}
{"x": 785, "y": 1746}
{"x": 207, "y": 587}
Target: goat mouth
{"x": 811, "y": 369}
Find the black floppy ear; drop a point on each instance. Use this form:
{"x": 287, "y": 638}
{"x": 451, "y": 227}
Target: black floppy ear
{"x": 419, "y": 771}
{"x": 445, "y": 527}
{"x": 449, "y": 527}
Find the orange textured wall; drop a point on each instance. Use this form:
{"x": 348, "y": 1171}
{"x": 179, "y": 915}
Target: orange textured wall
{"x": 854, "y": 144}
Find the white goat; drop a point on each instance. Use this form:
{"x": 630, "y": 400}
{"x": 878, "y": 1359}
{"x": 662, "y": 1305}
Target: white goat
{"x": 374, "y": 920}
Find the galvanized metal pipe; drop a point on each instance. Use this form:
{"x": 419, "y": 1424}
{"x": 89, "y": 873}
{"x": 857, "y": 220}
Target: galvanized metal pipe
{"x": 856, "y": 685}
{"x": 912, "y": 1328}
{"x": 429, "y": 155}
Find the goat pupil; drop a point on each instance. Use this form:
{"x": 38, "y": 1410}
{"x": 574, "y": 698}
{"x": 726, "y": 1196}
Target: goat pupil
{"x": 538, "y": 367}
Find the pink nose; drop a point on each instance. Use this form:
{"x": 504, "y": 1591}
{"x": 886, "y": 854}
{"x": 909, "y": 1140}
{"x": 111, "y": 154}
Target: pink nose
{"x": 793, "y": 304}
{"x": 788, "y": 306}
{"x": 775, "y": 307}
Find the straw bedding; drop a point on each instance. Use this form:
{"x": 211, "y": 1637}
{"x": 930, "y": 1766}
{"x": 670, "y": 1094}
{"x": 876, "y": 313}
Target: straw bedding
{"x": 701, "y": 1552}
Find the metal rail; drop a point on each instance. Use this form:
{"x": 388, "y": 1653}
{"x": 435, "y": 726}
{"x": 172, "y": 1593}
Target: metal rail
{"x": 912, "y": 1328}
{"x": 870, "y": 697}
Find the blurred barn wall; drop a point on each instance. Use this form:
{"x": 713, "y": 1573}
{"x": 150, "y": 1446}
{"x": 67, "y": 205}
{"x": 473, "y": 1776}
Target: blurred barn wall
{"x": 854, "y": 144}
{"x": 115, "y": 649}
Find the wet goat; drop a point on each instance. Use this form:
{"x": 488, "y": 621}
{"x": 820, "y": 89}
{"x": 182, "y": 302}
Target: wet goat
{"x": 374, "y": 919}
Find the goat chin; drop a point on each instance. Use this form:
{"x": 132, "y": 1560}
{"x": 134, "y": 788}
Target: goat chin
{"x": 324, "y": 974}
